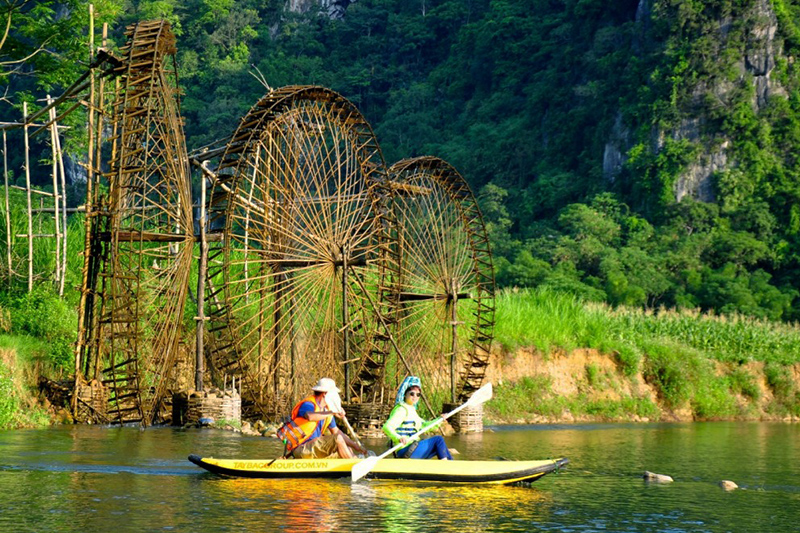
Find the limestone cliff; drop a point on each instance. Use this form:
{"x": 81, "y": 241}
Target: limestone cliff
{"x": 751, "y": 61}
{"x": 334, "y": 8}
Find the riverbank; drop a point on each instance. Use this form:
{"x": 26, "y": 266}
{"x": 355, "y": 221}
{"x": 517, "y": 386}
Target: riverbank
{"x": 555, "y": 359}
{"x": 584, "y": 385}
{"x": 558, "y": 359}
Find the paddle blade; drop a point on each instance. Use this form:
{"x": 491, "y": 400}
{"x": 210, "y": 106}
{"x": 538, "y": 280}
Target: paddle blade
{"x": 334, "y": 401}
{"x": 484, "y": 394}
{"x": 362, "y": 468}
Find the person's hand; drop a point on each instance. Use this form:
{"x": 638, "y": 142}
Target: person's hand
{"x": 404, "y": 440}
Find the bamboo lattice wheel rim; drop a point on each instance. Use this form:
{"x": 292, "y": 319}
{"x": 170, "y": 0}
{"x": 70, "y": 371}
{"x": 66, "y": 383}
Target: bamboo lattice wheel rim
{"x": 146, "y": 236}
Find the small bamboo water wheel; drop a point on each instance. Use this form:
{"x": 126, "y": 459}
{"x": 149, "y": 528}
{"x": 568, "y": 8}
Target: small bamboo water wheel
{"x": 445, "y": 300}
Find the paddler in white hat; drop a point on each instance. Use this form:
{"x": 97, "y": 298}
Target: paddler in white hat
{"x": 312, "y": 431}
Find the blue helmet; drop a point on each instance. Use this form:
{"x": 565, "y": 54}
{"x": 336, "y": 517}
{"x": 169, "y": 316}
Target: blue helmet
{"x": 410, "y": 381}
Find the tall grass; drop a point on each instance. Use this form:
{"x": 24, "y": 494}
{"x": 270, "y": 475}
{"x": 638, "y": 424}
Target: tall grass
{"x": 674, "y": 350}
{"x": 547, "y": 320}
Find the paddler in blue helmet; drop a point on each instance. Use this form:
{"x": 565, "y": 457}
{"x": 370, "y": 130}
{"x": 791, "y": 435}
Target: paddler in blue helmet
{"x": 404, "y": 421}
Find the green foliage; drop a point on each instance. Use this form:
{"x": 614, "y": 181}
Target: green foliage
{"x": 744, "y": 383}
{"x": 593, "y": 375}
{"x": 525, "y": 99}
{"x": 523, "y": 397}
{"x": 786, "y": 394}
{"x": 669, "y": 368}
{"x": 675, "y": 351}
{"x": 712, "y": 400}
{"x": 629, "y": 358}
{"x": 8, "y": 400}
{"x": 43, "y": 315}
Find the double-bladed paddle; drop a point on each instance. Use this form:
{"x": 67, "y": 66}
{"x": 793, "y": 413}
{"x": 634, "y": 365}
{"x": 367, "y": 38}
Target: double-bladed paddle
{"x": 362, "y": 468}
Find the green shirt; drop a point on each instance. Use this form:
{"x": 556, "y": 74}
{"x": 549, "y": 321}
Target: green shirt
{"x": 403, "y": 421}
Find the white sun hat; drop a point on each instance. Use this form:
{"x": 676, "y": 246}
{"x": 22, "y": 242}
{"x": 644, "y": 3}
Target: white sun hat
{"x": 325, "y": 385}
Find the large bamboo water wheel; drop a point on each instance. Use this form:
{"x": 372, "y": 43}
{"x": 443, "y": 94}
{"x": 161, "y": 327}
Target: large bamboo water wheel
{"x": 445, "y": 301}
{"x": 303, "y": 246}
{"x": 140, "y": 235}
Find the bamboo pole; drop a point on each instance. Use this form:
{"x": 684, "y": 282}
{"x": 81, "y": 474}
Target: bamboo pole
{"x": 201, "y": 294}
{"x": 97, "y": 100}
{"x": 8, "y": 214}
{"x": 28, "y": 187}
{"x": 84, "y": 312}
{"x": 63, "y": 215}
{"x": 346, "y": 322}
{"x": 454, "y": 340}
{"x": 54, "y": 147}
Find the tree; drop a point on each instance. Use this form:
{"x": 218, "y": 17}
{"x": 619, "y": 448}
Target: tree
{"x": 45, "y": 41}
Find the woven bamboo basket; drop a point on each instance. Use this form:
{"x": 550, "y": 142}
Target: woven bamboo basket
{"x": 214, "y": 404}
{"x": 469, "y": 420}
{"x": 367, "y": 419}
{"x": 92, "y": 405}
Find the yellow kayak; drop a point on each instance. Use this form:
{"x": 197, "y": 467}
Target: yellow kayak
{"x": 410, "y": 469}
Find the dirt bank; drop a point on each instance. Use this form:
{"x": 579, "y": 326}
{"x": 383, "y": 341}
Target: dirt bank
{"x": 585, "y": 385}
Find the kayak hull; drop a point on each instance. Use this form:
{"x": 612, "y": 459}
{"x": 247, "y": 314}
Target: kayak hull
{"x": 472, "y": 472}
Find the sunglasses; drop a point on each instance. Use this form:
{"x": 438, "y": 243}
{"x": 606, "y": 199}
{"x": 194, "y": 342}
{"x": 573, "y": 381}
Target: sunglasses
{"x": 415, "y": 394}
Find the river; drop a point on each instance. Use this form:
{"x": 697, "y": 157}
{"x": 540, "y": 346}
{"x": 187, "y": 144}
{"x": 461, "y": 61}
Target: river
{"x": 88, "y": 478}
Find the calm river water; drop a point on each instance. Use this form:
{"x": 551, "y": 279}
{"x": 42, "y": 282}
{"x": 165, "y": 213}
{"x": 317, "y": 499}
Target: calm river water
{"x": 110, "y": 479}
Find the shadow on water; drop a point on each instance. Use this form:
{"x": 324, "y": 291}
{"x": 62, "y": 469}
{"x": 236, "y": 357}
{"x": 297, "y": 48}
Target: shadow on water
{"x": 123, "y": 479}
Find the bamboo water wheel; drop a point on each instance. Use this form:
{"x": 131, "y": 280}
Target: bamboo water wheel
{"x": 445, "y": 301}
{"x": 303, "y": 246}
{"x": 139, "y": 235}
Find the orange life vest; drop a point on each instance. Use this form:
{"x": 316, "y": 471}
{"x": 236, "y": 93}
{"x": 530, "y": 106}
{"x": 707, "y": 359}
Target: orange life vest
{"x": 298, "y": 430}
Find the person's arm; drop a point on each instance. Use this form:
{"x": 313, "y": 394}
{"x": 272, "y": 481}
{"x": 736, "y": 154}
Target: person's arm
{"x": 319, "y": 415}
{"x": 307, "y": 411}
{"x": 396, "y": 417}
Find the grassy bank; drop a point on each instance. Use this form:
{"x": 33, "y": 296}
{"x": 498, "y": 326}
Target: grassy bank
{"x": 37, "y": 336}
{"x": 699, "y": 366}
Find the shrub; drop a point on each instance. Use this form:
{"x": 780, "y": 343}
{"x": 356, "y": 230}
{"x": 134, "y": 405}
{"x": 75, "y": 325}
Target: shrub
{"x": 744, "y": 383}
{"x": 42, "y": 314}
{"x": 628, "y": 359}
{"x": 8, "y": 400}
{"x": 712, "y": 400}
{"x": 525, "y": 396}
{"x": 667, "y": 370}
{"x": 593, "y": 375}
{"x": 787, "y": 397}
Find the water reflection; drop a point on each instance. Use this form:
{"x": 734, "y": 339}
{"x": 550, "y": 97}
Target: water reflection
{"x": 96, "y": 479}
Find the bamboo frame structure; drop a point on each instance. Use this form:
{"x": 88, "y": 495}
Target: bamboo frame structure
{"x": 315, "y": 259}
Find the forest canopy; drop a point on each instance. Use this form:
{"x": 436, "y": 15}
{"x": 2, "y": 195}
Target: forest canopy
{"x": 637, "y": 152}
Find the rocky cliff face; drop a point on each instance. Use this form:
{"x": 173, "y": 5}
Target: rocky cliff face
{"x": 335, "y": 8}
{"x": 753, "y": 68}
